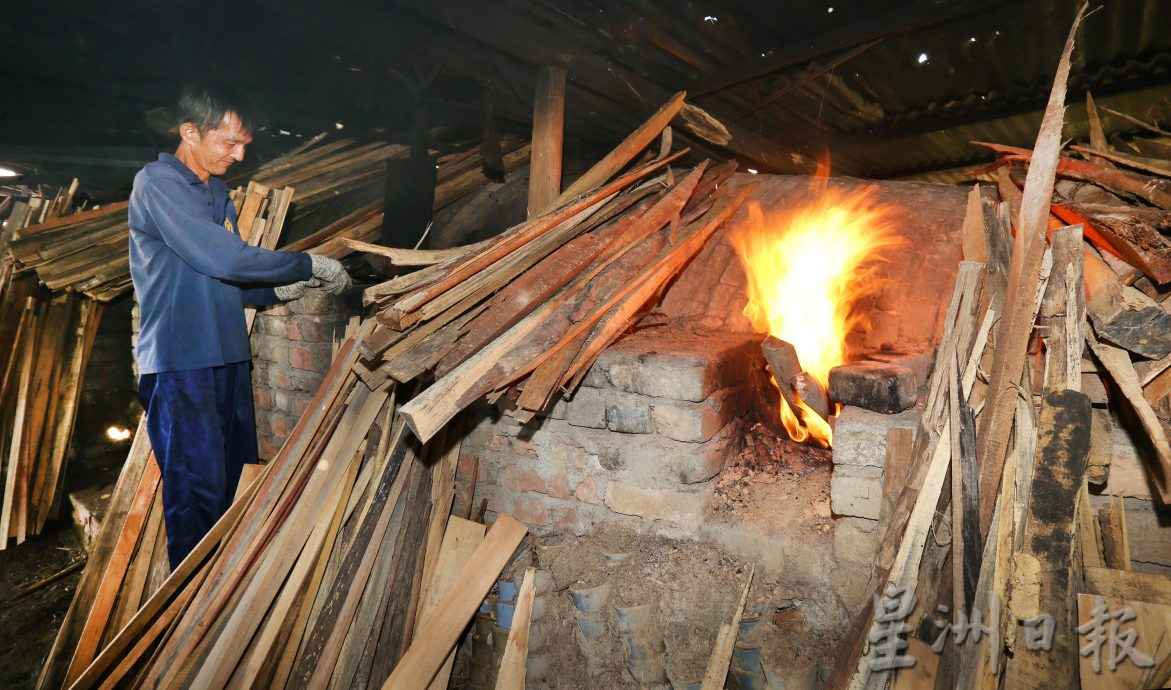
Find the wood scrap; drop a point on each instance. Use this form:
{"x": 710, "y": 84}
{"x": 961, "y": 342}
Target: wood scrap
{"x": 717, "y": 668}
{"x": 1122, "y": 372}
{"x": 425, "y": 656}
{"x": 1059, "y": 474}
{"x": 1115, "y": 538}
{"x": 1024, "y": 275}
{"x": 1122, "y": 315}
{"x": 516, "y": 651}
{"x": 1128, "y": 584}
{"x": 1147, "y": 666}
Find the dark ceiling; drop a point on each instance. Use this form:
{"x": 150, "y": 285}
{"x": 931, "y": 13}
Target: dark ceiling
{"x": 890, "y": 89}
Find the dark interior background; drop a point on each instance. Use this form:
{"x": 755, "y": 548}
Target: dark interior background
{"x": 889, "y": 89}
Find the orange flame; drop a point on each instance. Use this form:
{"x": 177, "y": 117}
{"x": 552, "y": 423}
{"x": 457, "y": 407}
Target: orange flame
{"x": 806, "y": 269}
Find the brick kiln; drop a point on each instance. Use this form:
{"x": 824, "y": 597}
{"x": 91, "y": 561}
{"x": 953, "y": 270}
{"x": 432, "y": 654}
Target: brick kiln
{"x": 672, "y": 434}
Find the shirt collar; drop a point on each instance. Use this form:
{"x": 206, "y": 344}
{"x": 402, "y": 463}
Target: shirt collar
{"x": 187, "y": 173}
{"x": 215, "y": 184}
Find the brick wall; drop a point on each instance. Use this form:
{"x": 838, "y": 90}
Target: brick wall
{"x": 292, "y": 348}
{"x": 657, "y": 416}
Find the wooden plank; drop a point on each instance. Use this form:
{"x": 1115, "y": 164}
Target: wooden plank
{"x": 460, "y": 541}
{"x": 1122, "y": 315}
{"x": 1128, "y": 584}
{"x": 121, "y": 500}
{"x": 1024, "y": 275}
{"x": 625, "y": 152}
{"x": 965, "y": 501}
{"x": 1115, "y": 541}
{"x": 439, "y": 403}
{"x": 554, "y": 272}
{"x": 414, "y": 257}
{"x": 1089, "y": 539}
{"x": 1117, "y": 363}
{"x": 548, "y": 129}
{"x": 895, "y": 469}
{"x": 1150, "y": 625}
{"x": 261, "y": 519}
{"x": 437, "y": 636}
{"x": 16, "y": 450}
{"x": 716, "y": 673}
{"x": 134, "y": 584}
{"x": 261, "y": 645}
{"x": 511, "y": 675}
{"x": 280, "y": 558}
{"x": 1155, "y": 190}
{"x": 901, "y": 546}
{"x": 1050, "y": 538}
{"x": 115, "y": 569}
{"x": 513, "y": 239}
{"x": 1063, "y": 311}
{"x": 1097, "y": 135}
{"x": 613, "y": 315}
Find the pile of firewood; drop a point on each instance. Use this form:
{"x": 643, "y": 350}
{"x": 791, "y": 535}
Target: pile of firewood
{"x": 339, "y": 565}
{"x": 45, "y": 341}
{"x": 989, "y": 522}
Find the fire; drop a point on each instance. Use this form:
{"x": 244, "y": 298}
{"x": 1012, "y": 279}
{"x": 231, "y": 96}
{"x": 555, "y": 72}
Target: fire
{"x": 806, "y": 269}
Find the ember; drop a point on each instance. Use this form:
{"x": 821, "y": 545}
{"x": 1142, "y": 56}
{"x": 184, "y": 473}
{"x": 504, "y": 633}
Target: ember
{"x": 806, "y": 269}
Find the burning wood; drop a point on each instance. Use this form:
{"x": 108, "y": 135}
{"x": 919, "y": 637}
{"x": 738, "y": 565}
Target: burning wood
{"x": 806, "y": 269}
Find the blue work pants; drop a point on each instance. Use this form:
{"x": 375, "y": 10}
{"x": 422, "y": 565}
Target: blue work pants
{"x": 203, "y": 431}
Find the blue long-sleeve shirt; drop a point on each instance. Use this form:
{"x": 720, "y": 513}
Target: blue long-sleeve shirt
{"x": 192, "y": 274}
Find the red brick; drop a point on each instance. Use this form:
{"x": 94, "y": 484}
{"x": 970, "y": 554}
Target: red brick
{"x": 587, "y": 491}
{"x": 568, "y": 520}
{"x": 308, "y": 329}
{"x": 523, "y": 447}
{"x": 468, "y": 466}
{"x": 530, "y": 510}
{"x": 649, "y": 504}
{"x": 301, "y": 403}
{"x": 280, "y": 427}
{"x": 282, "y": 380}
{"x": 558, "y": 486}
{"x": 309, "y": 358}
{"x": 263, "y": 398}
{"x": 518, "y": 479}
{"x": 266, "y": 448}
{"x": 463, "y": 496}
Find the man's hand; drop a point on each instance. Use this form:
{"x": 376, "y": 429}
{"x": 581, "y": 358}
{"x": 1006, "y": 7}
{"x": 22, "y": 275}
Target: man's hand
{"x": 297, "y": 290}
{"x": 332, "y": 276}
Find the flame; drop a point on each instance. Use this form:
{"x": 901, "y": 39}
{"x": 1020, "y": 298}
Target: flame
{"x": 806, "y": 269}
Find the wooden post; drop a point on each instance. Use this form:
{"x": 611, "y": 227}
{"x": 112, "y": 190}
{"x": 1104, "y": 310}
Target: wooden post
{"x": 548, "y": 127}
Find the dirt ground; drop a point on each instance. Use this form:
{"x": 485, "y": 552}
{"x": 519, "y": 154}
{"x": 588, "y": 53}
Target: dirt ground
{"x": 690, "y": 589}
{"x": 774, "y": 483}
{"x": 30, "y": 622}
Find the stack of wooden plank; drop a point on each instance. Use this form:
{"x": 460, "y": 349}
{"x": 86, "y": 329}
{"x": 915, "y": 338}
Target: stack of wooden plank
{"x": 39, "y": 395}
{"x": 315, "y": 576}
{"x": 321, "y": 222}
{"x": 337, "y": 566}
{"x": 990, "y": 522}
{"x": 45, "y": 340}
{"x": 87, "y": 252}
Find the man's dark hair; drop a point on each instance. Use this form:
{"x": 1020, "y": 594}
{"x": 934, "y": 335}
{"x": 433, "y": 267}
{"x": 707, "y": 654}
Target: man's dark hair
{"x": 205, "y": 106}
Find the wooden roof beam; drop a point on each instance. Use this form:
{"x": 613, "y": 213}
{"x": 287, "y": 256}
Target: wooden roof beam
{"x": 509, "y": 33}
{"x": 903, "y": 20}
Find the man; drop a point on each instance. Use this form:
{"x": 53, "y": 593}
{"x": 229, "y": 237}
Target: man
{"x": 192, "y": 275}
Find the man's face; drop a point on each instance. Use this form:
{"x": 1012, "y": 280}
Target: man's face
{"x": 217, "y": 149}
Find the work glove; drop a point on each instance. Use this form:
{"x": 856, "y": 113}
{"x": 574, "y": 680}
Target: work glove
{"x": 332, "y": 275}
{"x": 297, "y": 290}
